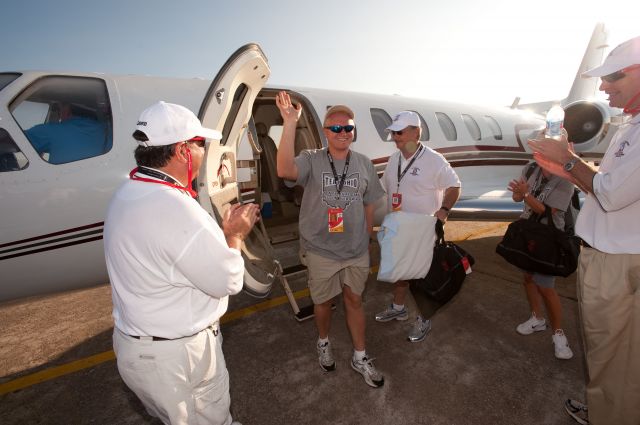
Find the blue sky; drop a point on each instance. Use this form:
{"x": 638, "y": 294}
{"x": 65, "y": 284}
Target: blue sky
{"x": 461, "y": 50}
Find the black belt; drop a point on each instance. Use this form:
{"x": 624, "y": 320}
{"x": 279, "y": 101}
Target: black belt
{"x": 214, "y": 328}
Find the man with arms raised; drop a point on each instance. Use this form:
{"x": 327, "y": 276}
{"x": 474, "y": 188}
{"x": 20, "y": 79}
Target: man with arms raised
{"x": 336, "y": 221}
{"x": 172, "y": 269}
{"x": 609, "y": 268}
{"x": 417, "y": 180}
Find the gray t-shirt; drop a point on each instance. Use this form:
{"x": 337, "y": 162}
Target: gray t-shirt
{"x": 361, "y": 187}
{"x": 554, "y": 192}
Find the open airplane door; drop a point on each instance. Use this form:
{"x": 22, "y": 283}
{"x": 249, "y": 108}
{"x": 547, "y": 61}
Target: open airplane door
{"x": 227, "y": 108}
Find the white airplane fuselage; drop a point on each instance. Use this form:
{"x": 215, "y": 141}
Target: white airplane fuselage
{"x": 52, "y": 214}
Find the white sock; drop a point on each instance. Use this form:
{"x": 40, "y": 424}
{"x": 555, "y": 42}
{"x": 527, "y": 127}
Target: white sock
{"x": 397, "y": 307}
{"x": 323, "y": 341}
{"x": 359, "y": 355}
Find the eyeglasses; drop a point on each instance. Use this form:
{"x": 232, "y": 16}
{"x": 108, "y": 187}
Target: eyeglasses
{"x": 339, "y": 128}
{"x": 400, "y": 132}
{"x": 618, "y": 75}
{"x": 200, "y": 141}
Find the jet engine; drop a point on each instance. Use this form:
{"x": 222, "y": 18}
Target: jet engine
{"x": 587, "y": 123}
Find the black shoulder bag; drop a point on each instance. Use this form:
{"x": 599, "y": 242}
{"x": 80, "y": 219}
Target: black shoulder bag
{"x": 540, "y": 248}
{"x": 448, "y": 269}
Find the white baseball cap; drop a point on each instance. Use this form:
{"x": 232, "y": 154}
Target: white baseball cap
{"x": 623, "y": 56}
{"x": 167, "y": 123}
{"x": 403, "y": 120}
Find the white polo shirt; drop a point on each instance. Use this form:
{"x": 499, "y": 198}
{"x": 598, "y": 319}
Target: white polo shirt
{"x": 610, "y": 220}
{"x": 423, "y": 185}
{"x": 170, "y": 267}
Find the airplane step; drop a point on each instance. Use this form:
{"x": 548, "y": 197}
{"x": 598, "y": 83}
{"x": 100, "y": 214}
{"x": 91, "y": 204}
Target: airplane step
{"x": 284, "y": 238}
{"x": 294, "y": 270}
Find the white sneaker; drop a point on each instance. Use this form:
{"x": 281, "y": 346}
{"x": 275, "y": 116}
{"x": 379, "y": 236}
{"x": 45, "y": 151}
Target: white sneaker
{"x": 325, "y": 357}
{"x": 561, "y": 345}
{"x": 365, "y": 367}
{"x": 532, "y": 325}
{"x": 419, "y": 330}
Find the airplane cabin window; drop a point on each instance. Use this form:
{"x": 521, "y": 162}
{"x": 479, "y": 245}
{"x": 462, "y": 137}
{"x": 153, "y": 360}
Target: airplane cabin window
{"x": 447, "y": 126}
{"x": 424, "y": 136}
{"x": 381, "y": 120}
{"x": 494, "y": 126}
{"x": 11, "y": 158}
{"x": 6, "y": 78}
{"x": 65, "y": 119}
{"x": 472, "y": 126}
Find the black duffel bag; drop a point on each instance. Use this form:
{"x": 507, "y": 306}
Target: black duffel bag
{"x": 448, "y": 270}
{"x": 540, "y": 248}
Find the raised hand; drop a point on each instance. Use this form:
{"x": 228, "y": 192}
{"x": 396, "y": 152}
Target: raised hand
{"x": 288, "y": 110}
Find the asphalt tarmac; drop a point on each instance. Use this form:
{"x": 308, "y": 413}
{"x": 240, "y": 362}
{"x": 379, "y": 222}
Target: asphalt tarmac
{"x": 57, "y": 364}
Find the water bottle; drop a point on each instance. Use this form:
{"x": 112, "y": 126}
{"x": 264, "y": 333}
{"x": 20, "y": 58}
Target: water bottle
{"x": 555, "y": 120}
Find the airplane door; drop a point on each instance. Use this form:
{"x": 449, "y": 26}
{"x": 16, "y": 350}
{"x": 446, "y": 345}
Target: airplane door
{"x": 227, "y": 107}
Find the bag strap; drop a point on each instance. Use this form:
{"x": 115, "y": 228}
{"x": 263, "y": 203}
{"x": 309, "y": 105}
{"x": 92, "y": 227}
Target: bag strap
{"x": 531, "y": 167}
{"x": 439, "y": 232}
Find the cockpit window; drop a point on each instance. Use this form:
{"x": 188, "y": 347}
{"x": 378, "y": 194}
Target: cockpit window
{"x": 11, "y": 158}
{"x": 6, "y": 78}
{"x": 66, "y": 119}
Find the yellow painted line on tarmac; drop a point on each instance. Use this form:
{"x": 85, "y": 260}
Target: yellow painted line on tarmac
{"x": 54, "y": 372}
{"x": 87, "y": 362}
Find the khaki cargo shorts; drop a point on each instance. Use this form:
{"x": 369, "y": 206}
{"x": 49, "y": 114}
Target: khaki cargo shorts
{"x": 327, "y": 276}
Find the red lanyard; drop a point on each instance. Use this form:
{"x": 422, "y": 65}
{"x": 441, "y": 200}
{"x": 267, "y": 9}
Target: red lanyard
{"x": 132, "y": 176}
{"x": 628, "y": 109}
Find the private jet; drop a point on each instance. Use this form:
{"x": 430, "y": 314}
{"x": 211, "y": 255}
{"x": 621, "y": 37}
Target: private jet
{"x": 53, "y": 198}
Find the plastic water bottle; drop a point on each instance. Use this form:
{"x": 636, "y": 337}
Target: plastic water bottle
{"x": 555, "y": 121}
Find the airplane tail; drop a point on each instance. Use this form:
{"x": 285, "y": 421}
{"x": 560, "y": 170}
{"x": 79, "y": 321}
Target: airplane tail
{"x": 586, "y": 88}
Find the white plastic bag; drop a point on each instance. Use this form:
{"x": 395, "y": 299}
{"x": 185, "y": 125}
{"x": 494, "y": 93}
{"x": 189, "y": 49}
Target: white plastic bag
{"x": 406, "y": 246}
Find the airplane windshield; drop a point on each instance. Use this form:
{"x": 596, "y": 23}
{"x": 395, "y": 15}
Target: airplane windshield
{"x": 5, "y": 79}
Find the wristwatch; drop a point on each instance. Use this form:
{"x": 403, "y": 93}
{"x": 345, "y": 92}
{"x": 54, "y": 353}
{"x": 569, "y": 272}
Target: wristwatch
{"x": 568, "y": 166}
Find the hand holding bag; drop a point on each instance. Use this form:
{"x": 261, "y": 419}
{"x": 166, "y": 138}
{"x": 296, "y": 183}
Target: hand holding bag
{"x": 540, "y": 248}
{"x": 449, "y": 267}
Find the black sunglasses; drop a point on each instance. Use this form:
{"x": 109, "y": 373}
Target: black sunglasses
{"x": 200, "y": 141}
{"x": 613, "y": 77}
{"x": 399, "y": 132}
{"x": 339, "y": 128}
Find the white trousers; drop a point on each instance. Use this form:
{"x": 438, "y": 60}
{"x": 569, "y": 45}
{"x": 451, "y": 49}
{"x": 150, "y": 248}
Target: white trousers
{"x": 182, "y": 381}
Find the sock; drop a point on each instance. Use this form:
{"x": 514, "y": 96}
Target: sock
{"x": 397, "y": 307}
{"x": 323, "y": 341}
{"x": 359, "y": 355}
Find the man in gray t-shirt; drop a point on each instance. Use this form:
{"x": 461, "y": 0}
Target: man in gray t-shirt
{"x": 336, "y": 221}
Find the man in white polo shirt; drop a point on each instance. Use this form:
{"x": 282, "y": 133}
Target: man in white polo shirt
{"x": 417, "y": 180}
{"x": 609, "y": 269}
{"x": 172, "y": 269}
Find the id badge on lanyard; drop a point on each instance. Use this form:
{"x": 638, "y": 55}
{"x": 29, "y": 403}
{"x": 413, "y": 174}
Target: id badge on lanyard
{"x": 336, "y": 223}
{"x": 396, "y": 198}
{"x": 396, "y": 201}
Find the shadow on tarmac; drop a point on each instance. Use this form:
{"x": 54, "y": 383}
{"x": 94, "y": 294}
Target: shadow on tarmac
{"x": 473, "y": 368}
